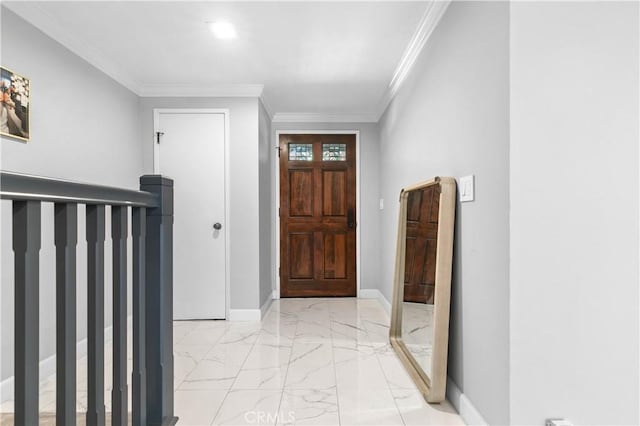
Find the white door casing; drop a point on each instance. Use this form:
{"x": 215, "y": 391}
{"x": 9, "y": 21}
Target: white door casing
{"x": 193, "y": 150}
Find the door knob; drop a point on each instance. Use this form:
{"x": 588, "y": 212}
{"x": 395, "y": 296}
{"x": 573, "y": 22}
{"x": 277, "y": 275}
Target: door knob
{"x": 217, "y": 226}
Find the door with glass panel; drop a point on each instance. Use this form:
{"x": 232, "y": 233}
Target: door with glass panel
{"x": 317, "y": 215}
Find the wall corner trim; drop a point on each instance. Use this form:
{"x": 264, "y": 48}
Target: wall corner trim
{"x": 463, "y": 405}
{"x": 428, "y": 23}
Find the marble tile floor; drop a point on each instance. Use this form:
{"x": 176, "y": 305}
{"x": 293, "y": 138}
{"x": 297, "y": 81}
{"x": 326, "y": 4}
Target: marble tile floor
{"x": 308, "y": 362}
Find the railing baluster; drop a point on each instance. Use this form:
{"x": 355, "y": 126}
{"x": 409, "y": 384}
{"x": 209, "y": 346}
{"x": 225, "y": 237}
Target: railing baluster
{"x": 119, "y": 393}
{"x": 26, "y": 246}
{"x": 138, "y": 379}
{"x": 95, "y": 314}
{"x": 66, "y": 238}
{"x": 159, "y": 301}
{"x": 152, "y": 378}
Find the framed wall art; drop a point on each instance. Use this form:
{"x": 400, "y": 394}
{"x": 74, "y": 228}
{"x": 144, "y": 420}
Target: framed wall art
{"x": 14, "y": 105}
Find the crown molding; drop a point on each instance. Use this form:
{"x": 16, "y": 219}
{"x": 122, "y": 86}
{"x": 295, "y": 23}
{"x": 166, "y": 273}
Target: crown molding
{"x": 39, "y": 18}
{"x": 201, "y": 91}
{"x": 36, "y": 16}
{"x": 312, "y": 117}
{"x": 427, "y": 24}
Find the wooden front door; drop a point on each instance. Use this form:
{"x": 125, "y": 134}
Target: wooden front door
{"x": 422, "y": 237}
{"x": 317, "y": 215}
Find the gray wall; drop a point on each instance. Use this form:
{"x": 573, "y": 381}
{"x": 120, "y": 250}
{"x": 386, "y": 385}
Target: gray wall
{"x": 451, "y": 118}
{"x": 265, "y": 152}
{"x": 84, "y": 127}
{"x": 244, "y": 185}
{"x": 574, "y": 212}
{"x": 554, "y": 152}
{"x": 369, "y": 194}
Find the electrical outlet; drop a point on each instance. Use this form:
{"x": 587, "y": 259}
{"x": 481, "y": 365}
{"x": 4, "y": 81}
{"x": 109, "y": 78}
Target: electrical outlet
{"x": 557, "y": 422}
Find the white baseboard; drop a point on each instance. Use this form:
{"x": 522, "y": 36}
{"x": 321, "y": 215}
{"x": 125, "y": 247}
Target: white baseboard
{"x": 250, "y": 314}
{"x": 48, "y": 367}
{"x": 467, "y": 411}
{"x": 244, "y": 315}
{"x": 374, "y": 293}
{"x": 275, "y": 294}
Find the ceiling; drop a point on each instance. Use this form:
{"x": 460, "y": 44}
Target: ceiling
{"x": 301, "y": 57}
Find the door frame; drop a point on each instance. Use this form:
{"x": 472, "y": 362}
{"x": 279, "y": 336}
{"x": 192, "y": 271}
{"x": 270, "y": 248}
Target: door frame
{"x": 227, "y": 192}
{"x": 276, "y": 294}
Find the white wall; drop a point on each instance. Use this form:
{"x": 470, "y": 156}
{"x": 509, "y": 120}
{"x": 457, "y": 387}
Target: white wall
{"x": 244, "y": 185}
{"x": 574, "y": 212}
{"x": 84, "y": 127}
{"x": 267, "y": 260}
{"x": 369, "y": 179}
{"x": 451, "y": 118}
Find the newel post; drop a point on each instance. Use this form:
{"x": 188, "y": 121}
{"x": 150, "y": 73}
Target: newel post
{"x": 159, "y": 301}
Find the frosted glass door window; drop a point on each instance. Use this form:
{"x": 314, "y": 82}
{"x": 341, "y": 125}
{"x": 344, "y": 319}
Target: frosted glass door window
{"x": 300, "y": 152}
{"x": 334, "y": 152}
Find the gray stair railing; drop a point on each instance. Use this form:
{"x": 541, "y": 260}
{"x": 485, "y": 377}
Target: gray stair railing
{"x": 152, "y": 289}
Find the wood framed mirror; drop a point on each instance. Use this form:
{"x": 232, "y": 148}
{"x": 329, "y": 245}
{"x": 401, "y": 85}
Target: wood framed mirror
{"x": 419, "y": 331}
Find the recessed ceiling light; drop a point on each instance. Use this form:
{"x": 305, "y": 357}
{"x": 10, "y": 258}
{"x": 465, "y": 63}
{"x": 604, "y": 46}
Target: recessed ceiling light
{"x": 223, "y": 29}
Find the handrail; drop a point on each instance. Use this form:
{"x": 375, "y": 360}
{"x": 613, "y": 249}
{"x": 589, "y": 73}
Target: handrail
{"x": 151, "y": 234}
{"x": 19, "y": 186}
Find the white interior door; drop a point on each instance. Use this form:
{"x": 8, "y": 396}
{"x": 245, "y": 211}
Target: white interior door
{"x": 192, "y": 152}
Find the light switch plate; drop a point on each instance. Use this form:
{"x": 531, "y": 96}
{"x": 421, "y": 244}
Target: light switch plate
{"x": 381, "y": 203}
{"x": 466, "y": 188}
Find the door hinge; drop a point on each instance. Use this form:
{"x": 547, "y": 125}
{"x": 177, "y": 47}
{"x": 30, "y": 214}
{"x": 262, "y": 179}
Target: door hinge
{"x": 158, "y": 134}
{"x": 278, "y": 211}
{"x": 278, "y": 148}
{"x": 278, "y": 271}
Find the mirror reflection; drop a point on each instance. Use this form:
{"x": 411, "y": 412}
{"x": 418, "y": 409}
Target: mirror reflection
{"x": 420, "y": 273}
{"x": 419, "y": 331}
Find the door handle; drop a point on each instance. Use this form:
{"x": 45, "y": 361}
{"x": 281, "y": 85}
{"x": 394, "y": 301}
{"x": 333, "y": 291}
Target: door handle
{"x": 217, "y": 226}
{"x": 351, "y": 222}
